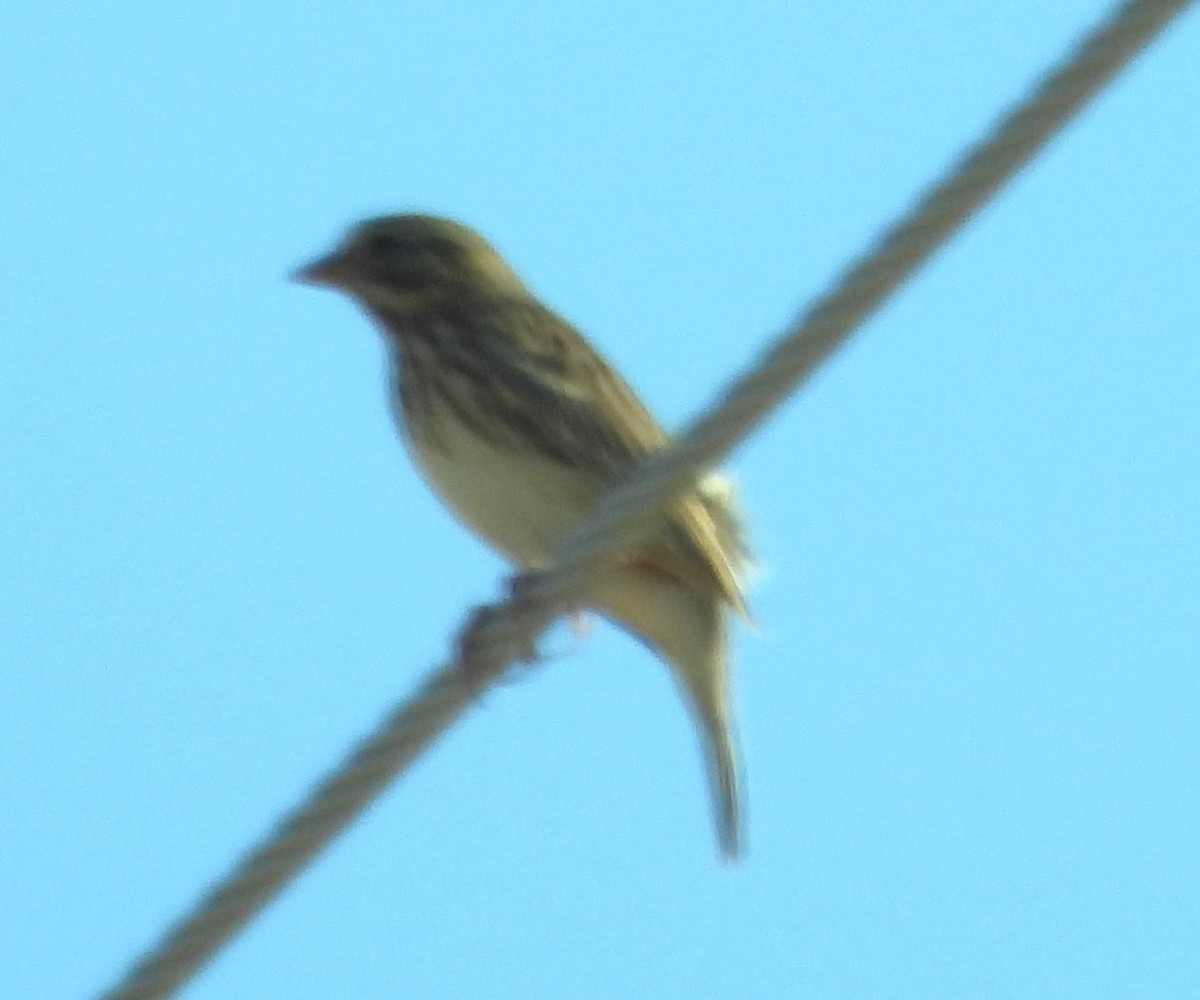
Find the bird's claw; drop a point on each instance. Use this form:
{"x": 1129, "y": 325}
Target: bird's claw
{"x": 474, "y": 648}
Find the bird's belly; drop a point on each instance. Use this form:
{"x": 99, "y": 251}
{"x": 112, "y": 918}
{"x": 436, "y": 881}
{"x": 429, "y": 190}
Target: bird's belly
{"x": 520, "y": 503}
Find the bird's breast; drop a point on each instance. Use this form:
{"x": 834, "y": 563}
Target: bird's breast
{"x": 516, "y": 499}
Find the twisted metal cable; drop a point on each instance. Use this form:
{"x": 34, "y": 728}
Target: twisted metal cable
{"x": 500, "y": 634}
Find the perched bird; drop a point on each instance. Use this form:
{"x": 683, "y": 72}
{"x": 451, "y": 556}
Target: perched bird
{"x": 520, "y": 427}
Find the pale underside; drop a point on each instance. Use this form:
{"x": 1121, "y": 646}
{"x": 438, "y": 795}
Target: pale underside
{"x": 521, "y": 503}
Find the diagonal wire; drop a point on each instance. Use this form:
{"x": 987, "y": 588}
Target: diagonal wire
{"x": 498, "y": 635}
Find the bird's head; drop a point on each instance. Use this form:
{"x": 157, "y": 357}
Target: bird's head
{"x": 411, "y": 262}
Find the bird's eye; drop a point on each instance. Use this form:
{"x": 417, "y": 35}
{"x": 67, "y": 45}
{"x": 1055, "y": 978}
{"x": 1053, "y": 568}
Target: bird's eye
{"x": 382, "y": 245}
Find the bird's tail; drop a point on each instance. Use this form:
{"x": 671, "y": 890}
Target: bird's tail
{"x": 689, "y": 630}
{"x": 705, "y": 685}
{"x": 716, "y": 734}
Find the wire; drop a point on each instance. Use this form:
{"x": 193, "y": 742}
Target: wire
{"x": 497, "y": 635}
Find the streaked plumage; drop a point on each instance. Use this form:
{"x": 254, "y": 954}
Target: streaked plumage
{"x": 520, "y": 427}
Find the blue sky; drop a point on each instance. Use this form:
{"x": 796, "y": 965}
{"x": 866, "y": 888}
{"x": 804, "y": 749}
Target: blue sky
{"x": 970, "y": 717}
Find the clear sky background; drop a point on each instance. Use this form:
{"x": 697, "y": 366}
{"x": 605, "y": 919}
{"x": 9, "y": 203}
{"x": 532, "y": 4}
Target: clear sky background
{"x": 970, "y": 718}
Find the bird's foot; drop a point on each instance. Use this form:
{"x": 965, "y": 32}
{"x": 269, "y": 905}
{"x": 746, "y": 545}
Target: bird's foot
{"x": 520, "y": 603}
{"x": 480, "y": 650}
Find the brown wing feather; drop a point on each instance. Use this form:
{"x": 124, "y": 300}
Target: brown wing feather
{"x": 593, "y": 403}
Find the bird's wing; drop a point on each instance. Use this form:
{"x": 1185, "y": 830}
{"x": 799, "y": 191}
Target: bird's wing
{"x": 593, "y": 418}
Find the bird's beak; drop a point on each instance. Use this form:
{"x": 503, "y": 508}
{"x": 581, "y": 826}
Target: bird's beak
{"x": 327, "y": 272}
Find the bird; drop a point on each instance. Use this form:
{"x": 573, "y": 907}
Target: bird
{"x": 520, "y": 427}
